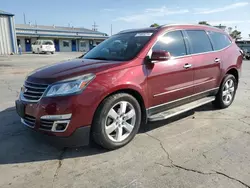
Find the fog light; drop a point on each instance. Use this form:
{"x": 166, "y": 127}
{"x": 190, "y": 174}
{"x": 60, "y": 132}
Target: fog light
{"x": 60, "y": 126}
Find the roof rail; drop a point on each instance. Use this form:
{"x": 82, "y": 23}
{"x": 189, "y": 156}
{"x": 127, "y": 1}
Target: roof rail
{"x": 184, "y": 24}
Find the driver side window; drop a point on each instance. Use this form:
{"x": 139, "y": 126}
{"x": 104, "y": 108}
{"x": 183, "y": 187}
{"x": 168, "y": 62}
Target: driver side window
{"x": 172, "y": 42}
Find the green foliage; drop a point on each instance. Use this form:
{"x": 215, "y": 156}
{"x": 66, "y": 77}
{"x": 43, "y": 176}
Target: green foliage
{"x": 203, "y": 23}
{"x": 155, "y": 25}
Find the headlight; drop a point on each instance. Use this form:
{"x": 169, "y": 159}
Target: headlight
{"x": 70, "y": 86}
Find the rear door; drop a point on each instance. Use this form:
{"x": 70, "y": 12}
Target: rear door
{"x": 206, "y": 62}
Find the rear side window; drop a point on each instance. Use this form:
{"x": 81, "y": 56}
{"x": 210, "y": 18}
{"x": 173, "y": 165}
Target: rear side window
{"x": 47, "y": 42}
{"x": 219, "y": 40}
{"x": 199, "y": 41}
{"x": 172, "y": 42}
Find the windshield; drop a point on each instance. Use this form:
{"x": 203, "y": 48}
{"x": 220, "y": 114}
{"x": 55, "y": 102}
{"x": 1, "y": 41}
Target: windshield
{"x": 48, "y": 42}
{"x": 120, "y": 47}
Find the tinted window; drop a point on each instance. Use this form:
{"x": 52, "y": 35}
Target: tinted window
{"x": 219, "y": 40}
{"x": 47, "y": 42}
{"x": 172, "y": 42}
{"x": 120, "y": 47}
{"x": 199, "y": 41}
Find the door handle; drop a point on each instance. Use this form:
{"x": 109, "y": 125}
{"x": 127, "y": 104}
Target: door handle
{"x": 186, "y": 66}
{"x": 217, "y": 60}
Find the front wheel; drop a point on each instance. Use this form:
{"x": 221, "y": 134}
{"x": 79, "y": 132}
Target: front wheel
{"x": 226, "y": 94}
{"x": 116, "y": 121}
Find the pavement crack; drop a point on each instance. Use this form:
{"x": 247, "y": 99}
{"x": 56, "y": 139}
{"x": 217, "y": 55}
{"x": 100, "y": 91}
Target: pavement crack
{"x": 162, "y": 147}
{"x": 204, "y": 173}
{"x": 10, "y": 88}
{"x": 232, "y": 178}
{"x": 60, "y": 159}
{"x": 173, "y": 165}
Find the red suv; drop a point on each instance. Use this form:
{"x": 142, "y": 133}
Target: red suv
{"x": 133, "y": 77}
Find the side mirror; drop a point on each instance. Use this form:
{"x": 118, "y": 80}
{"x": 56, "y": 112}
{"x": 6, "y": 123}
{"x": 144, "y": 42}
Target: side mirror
{"x": 160, "y": 56}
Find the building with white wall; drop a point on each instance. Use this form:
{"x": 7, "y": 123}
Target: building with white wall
{"x": 66, "y": 39}
{"x": 8, "y": 42}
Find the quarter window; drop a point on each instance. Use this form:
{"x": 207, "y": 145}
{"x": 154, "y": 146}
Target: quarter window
{"x": 199, "y": 41}
{"x": 219, "y": 40}
{"x": 172, "y": 42}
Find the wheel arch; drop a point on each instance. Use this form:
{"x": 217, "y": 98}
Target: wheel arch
{"x": 233, "y": 71}
{"x": 136, "y": 94}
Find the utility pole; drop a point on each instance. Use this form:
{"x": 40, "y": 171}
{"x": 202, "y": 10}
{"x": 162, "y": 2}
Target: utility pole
{"x": 111, "y": 30}
{"x": 24, "y": 18}
{"x": 94, "y": 27}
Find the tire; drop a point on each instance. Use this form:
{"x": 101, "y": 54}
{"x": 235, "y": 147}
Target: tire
{"x": 52, "y": 52}
{"x": 221, "y": 100}
{"x": 33, "y": 52}
{"x": 102, "y": 118}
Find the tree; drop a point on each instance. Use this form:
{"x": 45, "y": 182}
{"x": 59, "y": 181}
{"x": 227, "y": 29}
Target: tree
{"x": 203, "y": 23}
{"x": 155, "y": 25}
{"x": 236, "y": 34}
{"x": 230, "y": 29}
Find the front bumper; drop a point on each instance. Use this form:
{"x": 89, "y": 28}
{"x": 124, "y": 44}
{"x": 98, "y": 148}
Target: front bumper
{"x": 45, "y": 115}
{"x": 70, "y": 136}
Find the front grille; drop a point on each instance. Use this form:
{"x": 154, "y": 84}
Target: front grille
{"x": 29, "y": 120}
{"x": 46, "y": 124}
{"x": 33, "y": 91}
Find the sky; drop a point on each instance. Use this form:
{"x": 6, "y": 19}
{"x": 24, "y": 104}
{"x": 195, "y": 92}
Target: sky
{"x": 127, "y": 14}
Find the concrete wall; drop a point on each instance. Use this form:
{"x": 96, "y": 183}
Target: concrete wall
{"x": 6, "y": 44}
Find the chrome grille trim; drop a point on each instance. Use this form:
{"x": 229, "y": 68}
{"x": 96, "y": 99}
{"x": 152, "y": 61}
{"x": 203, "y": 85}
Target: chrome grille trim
{"x": 29, "y": 121}
{"x": 33, "y": 92}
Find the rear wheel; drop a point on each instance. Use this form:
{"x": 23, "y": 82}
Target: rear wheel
{"x": 226, "y": 93}
{"x": 116, "y": 121}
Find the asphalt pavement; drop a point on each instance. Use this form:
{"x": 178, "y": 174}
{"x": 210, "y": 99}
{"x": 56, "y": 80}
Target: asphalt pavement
{"x": 202, "y": 148}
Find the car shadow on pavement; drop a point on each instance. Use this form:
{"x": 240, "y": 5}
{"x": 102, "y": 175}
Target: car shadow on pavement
{"x": 19, "y": 144}
{"x": 157, "y": 124}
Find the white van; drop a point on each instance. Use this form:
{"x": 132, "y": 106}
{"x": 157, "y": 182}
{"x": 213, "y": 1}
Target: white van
{"x": 43, "y": 46}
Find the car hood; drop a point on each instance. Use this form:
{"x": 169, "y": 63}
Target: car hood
{"x": 69, "y": 69}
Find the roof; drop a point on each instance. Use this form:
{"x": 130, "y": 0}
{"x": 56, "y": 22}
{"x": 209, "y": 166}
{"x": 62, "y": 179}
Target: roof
{"x": 147, "y": 29}
{"x": 56, "y": 28}
{"x": 5, "y": 13}
{"x": 185, "y": 26}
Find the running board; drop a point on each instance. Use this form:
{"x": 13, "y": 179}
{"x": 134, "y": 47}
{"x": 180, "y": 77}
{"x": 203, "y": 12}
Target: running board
{"x": 180, "y": 109}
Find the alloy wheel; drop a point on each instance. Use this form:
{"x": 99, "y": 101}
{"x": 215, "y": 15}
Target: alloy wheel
{"x": 120, "y": 121}
{"x": 228, "y": 91}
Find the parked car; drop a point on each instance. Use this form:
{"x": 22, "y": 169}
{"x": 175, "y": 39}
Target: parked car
{"x": 246, "y": 53}
{"x": 43, "y": 46}
{"x": 245, "y": 47}
{"x": 107, "y": 95}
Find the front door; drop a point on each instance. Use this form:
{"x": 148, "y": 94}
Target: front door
{"x": 206, "y": 62}
{"x": 73, "y": 45}
{"x": 27, "y": 44}
{"x": 170, "y": 81}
